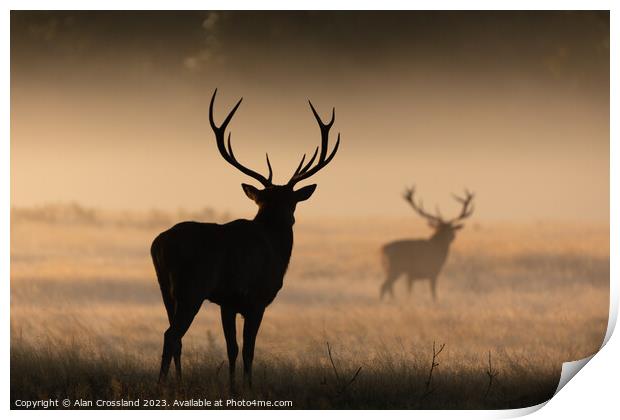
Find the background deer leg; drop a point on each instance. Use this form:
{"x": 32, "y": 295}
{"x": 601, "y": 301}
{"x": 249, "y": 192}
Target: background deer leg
{"x": 388, "y": 283}
{"x": 409, "y": 284}
{"x": 230, "y": 333}
{"x": 434, "y": 288}
{"x": 183, "y": 317}
{"x": 250, "y": 330}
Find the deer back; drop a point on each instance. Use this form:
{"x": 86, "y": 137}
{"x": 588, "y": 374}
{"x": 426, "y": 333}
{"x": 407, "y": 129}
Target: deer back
{"x": 240, "y": 262}
{"x": 419, "y": 258}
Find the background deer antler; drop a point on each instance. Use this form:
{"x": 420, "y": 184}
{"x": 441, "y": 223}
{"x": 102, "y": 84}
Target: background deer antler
{"x": 466, "y": 211}
{"x": 419, "y": 208}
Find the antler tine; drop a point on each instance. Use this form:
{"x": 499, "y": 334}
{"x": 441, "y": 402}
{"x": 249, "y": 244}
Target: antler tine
{"x": 270, "y": 177}
{"x": 318, "y": 118}
{"x": 468, "y": 197}
{"x": 408, "y": 194}
{"x": 307, "y": 170}
{"x": 221, "y": 128}
{"x": 299, "y": 166}
{"x": 324, "y": 130}
{"x": 301, "y": 170}
{"x": 419, "y": 208}
{"x": 310, "y": 162}
{"x": 228, "y": 154}
{"x": 467, "y": 209}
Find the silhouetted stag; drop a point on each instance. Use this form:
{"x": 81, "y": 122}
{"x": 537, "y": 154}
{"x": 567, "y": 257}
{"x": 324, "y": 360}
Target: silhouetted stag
{"x": 238, "y": 265}
{"x": 420, "y": 259}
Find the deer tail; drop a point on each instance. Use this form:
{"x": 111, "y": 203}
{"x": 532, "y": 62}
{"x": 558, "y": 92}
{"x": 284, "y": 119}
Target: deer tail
{"x": 162, "y": 278}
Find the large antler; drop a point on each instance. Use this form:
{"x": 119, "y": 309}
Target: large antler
{"x": 466, "y": 211}
{"x": 419, "y": 208}
{"x": 228, "y": 155}
{"x": 304, "y": 172}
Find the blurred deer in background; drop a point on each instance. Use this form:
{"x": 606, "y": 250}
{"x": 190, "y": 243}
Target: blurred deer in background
{"x": 238, "y": 265}
{"x": 420, "y": 259}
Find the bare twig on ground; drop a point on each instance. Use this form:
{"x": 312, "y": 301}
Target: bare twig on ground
{"x": 434, "y": 364}
{"x": 342, "y": 387}
{"x": 491, "y": 373}
{"x": 354, "y": 377}
{"x": 331, "y": 359}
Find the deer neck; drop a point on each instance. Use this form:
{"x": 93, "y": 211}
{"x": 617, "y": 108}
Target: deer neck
{"x": 441, "y": 242}
{"x": 279, "y": 232}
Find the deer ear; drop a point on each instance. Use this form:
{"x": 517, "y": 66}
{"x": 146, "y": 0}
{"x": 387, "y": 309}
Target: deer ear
{"x": 304, "y": 193}
{"x": 251, "y": 191}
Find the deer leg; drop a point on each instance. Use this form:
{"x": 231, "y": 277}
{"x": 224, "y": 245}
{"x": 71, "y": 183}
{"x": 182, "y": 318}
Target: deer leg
{"x": 388, "y": 284}
{"x": 230, "y": 333}
{"x": 409, "y": 285}
{"x": 166, "y": 358}
{"x": 183, "y": 317}
{"x": 250, "y": 330}
{"x": 434, "y": 288}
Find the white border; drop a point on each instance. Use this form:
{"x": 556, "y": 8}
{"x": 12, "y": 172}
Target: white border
{"x": 593, "y": 394}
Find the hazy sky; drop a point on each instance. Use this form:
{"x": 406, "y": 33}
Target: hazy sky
{"x": 110, "y": 108}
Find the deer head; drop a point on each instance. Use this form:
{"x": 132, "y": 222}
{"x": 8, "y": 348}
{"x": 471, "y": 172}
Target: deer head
{"x": 276, "y": 203}
{"x": 444, "y": 229}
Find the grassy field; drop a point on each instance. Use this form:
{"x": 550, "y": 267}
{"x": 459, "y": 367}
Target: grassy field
{"x": 87, "y": 319}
